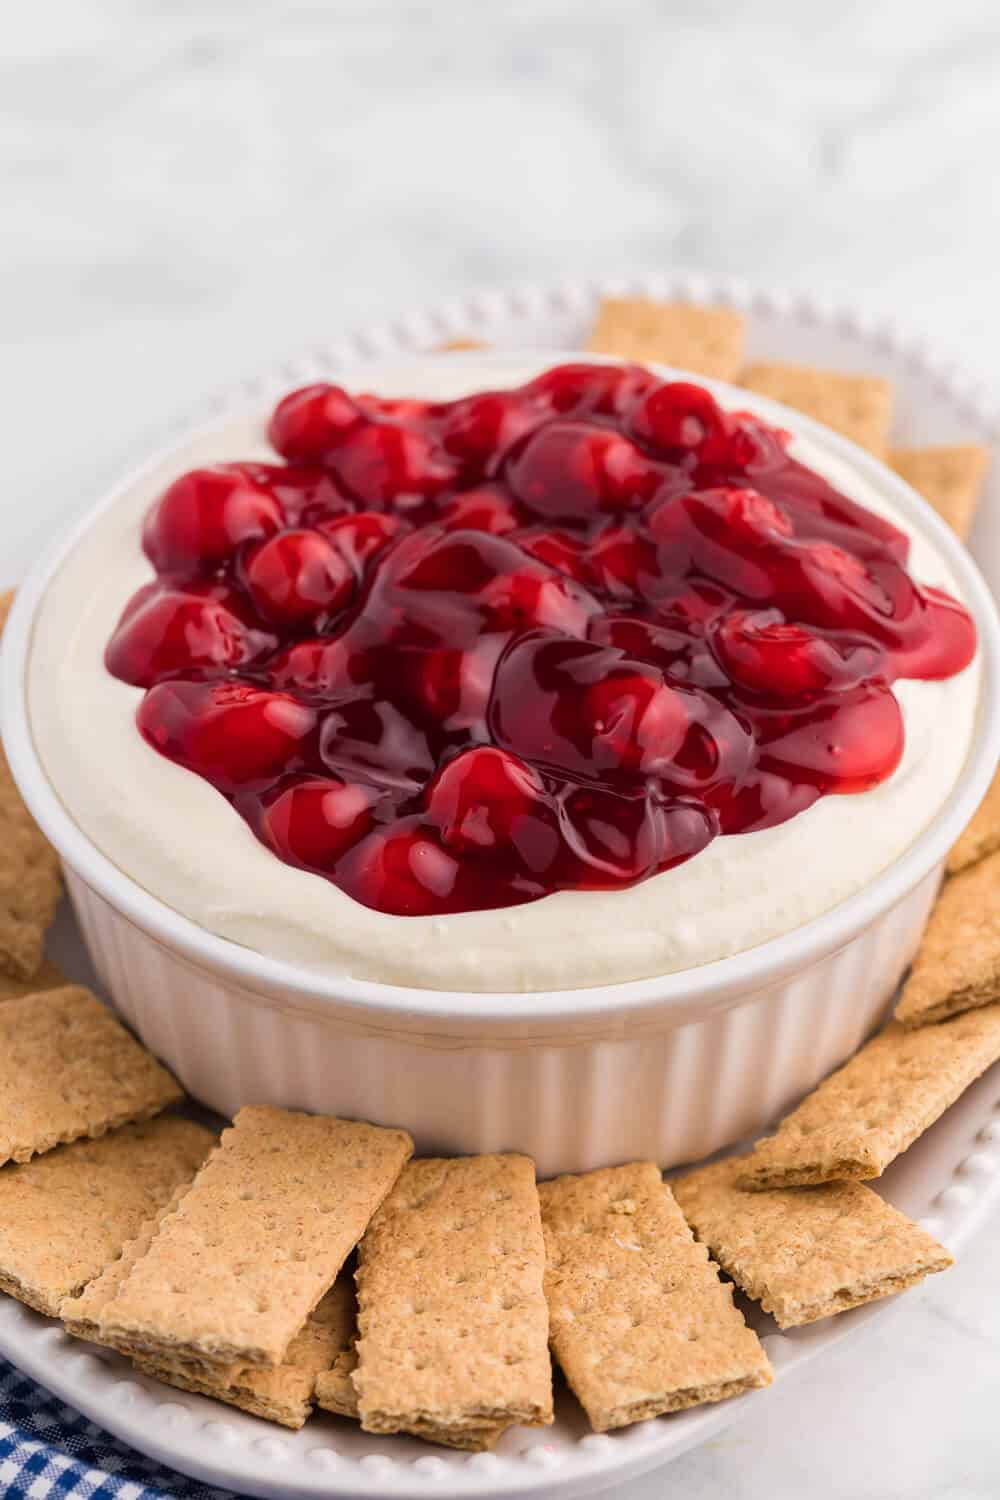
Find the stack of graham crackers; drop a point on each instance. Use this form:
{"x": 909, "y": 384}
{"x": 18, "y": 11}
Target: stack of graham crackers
{"x": 225, "y": 1267}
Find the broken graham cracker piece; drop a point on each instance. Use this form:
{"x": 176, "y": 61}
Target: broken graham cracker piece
{"x": 280, "y": 1204}
{"x": 66, "y": 1216}
{"x": 335, "y": 1386}
{"x": 284, "y": 1394}
{"x": 639, "y": 1320}
{"x": 80, "y": 1313}
{"x": 982, "y": 836}
{"x": 950, "y": 478}
{"x": 957, "y": 966}
{"x": 806, "y": 1253}
{"x": 874, "y": 1107}
{"x": 48, "y": 976}
{"x": 858, "y": 406}
{"x": 68, "y": 1069}
{"x": 453, "y": 1325}
{"x": 706, "y": 340}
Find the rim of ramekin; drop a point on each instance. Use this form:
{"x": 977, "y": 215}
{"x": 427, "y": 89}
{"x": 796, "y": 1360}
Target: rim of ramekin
{"x": 702, "y": 988}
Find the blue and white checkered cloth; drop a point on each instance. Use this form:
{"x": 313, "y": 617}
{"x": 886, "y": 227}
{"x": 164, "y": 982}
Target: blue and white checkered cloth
{"x": 48, "y": 1451}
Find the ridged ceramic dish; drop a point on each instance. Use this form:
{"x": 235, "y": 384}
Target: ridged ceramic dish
{"x": 671, "y": 1068}
{"x": 950, "y": 1179}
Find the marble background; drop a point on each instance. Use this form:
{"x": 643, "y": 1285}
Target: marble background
{"x": 194, "y": 187}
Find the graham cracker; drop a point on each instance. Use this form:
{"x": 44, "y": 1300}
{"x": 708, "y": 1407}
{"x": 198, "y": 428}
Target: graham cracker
{"x": 949, "y": 477}
{"x": 30, "y": 883}
{"x": 806, "y": 1253}
{"x": 982, "y": 836}
{"x": 707, "y": 340}
{"x": 80, "y": 1314}
{"x": 863, "y": 1116}
{"x": 451, "y": 346}
{"x": 68, "y": 1068}
{"x": 639, "y": 1320}
{"x": 453, "y": 1325}
{"x": 66, "y": 1216}
{"x": 858, "y": 406}
{"x": 335, "y": 1386}
{"x": 284, "y": 1394}
{"x": 48, "y": 976}
{"x": 957, "y": 966}
{"x": 260, "y": 1238}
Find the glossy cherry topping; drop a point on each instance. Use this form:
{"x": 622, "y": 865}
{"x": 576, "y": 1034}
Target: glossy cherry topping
{"x": 459, "y": 655}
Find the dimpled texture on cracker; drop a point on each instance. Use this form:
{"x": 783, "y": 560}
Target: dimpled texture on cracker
{"x": 806, "y": 1253}
{"x": 857, "y": 406}
{"x": 452, "y": 1318}
{"x": 874, "y": 1107}
{"x": 284, "y": 1394}
{"x": 950, "y": 478}
{"x": 706, "y": 340}
{"x": 260, "y": 1238}
{"x": 638, "y": 1319}
{"x": 68, "y": 1069}
{"x": 957, "y": 966}
{"x": 66, "y": 1216}
{"x": 982, "y": 835}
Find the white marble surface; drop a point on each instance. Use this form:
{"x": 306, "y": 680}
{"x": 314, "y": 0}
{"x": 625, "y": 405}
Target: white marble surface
{"x": 193, "y": 187}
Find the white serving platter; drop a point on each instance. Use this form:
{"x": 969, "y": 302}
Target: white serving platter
{"x": 949, "y": 1180}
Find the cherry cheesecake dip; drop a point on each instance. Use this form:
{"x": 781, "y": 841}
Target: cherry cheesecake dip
{"x": 503, "y": 678}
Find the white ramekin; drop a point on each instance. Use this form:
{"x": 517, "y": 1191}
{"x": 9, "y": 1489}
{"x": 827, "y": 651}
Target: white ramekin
{"x": 668, "y": 1068}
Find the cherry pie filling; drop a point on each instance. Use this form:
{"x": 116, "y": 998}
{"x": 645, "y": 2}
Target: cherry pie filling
{"x": 459, "y": 655}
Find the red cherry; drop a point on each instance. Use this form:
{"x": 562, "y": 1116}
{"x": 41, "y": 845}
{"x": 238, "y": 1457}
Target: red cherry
{"x": 453, "y": 686}
{"x": 403, "y": 871}
{"x": 846, "y": 745}
{"x": 324, "y": 669}
{"x": 233, "y": 734}
{"x": 617, "y": 839}
{"x": 363, "y": 535}
{"x": 576, "y": 389}
{"x": 305, "y": 492}
{"x": 636, "y": 720}
{"x": 382, "y": 462}
{"x": 483, "y": 427}
{"x": 522, "y": 600}
{"x": 296, "y": 577}
{"x": 165, "y": 631}
{"x": 203, "y": 517}
{"x": 569, "y": 471}
{"x": 585, "y": 709}
{"x": 765, "y": 654}
{"x": 622, "y": 562}
{"x": 479, "y": 798}
{"x": 314, "y": 821}
{"x": 681, "y": 418}
{"x": 310, "y": 423}
{"x": 556, "y": 550}
{"x": 483, "y": 509}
